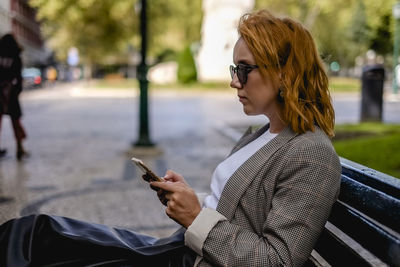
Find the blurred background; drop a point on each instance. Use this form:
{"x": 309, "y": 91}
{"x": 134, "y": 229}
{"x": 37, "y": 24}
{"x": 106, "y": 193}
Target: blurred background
{"x": 88, "y": 66}
{"x": 69, "y": 40}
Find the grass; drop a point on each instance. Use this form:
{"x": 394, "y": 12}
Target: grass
{"x": 344, "y": 84}
{"x": 114, "y": 83}
{"x": 374, "y": 145}
{"x": 209, "y": 86}
{"x": 133, "y": 83}
{"x": 337, "y": 84}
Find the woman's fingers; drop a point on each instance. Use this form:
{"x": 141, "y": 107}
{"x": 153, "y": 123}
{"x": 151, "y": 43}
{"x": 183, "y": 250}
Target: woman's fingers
{"x": 167, "y": 186}
{"x": 182, "y": 203}
{"x": 162, "y": 196}
{"x": 174, "y": 177}
{"x": 146, "y": 177}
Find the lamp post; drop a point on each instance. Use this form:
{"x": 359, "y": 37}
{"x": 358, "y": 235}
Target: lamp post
{"x": 396, "y": 15}
{"x": 144, "y": 138}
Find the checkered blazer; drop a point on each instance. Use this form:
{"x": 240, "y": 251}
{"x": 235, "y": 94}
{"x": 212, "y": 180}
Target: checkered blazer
{"x": 276, "y": 203}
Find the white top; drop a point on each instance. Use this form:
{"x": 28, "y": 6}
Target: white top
{"x": 227, "y": 167}
{"x": 198, "y": 231}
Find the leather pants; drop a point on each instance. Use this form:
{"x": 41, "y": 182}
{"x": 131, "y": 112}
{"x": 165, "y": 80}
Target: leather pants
{"x": 45, "y": 240}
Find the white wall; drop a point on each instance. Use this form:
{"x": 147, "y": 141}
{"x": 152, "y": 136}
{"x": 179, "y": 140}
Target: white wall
{"x": 5, "y": 19}
{"x": 219, "y": 35}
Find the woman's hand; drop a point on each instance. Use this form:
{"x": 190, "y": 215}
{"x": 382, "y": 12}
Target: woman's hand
{"x": 170, "y": 176}
{"x": 182, "y": 203}
{"x": 174, "y": 177}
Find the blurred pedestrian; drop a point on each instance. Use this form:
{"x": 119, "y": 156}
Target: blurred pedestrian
{"x": 51, "y": 74}
{"x": 10, "y": 89}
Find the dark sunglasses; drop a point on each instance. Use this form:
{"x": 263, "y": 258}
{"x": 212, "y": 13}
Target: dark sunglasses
{"x": 241, "y": 70}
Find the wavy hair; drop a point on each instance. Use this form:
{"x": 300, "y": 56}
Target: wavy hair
{"x": 286, "y": 52}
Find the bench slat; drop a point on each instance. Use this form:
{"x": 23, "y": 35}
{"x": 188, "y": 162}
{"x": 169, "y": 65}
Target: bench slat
{"x": 375, "y": 204}
{"x": 377, "y": 180}
{"x": 370, "y": 235}
{"x": 364, "y": 225}
{"x": 336, "y": 252}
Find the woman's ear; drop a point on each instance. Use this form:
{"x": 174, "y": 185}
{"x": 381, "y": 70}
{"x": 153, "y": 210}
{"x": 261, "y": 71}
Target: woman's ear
{"x": 281, "y": 94}
{"x": 281, "y": 88}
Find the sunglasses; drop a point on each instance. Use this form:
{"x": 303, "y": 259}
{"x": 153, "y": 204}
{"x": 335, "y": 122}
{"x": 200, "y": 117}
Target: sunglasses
{"x": 241, "y": 70}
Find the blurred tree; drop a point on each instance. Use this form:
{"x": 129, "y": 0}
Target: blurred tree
{"x": 101, "y": 29}
{"x": 98, "y": 28}
{"x": 381, "y": 35}
{"x": 343, "y": 29}
{"x": 381, "y": 23}
{"x": 358, "y": 27}
{"x": 174, "y": 24}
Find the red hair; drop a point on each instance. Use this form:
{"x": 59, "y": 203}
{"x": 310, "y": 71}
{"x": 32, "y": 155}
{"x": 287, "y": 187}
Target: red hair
{"x": 286, "y": 52}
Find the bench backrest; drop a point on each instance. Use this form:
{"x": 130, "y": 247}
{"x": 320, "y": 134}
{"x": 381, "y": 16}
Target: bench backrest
{"x": 364, "y": 226}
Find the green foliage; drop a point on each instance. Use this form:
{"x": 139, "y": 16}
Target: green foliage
{"x": 166, "y": 55}
{"x": 381, "y": 40}
{"x": 374, "y": 145}
{"x": 343, "y": 29}
{"x": 98, "y": 28}
{"x": 358, "y": 27}
{"x": 104, "y": 29}
{"x": 186, "y": 67}
{"x": 173, "y": 24}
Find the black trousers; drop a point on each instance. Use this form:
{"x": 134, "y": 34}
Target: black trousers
{"x": 44, "y": 240}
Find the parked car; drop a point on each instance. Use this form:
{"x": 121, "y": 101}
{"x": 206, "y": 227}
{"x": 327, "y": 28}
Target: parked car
{"x": 32, "y": 77}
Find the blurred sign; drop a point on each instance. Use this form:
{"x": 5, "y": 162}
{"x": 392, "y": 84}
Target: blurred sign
{"x": 73, "y": 56}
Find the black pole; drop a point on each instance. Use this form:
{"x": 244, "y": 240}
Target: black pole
{"x": 144, "y": 139}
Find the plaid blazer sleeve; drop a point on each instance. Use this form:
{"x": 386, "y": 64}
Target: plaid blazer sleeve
{"x": 277, "y": 218}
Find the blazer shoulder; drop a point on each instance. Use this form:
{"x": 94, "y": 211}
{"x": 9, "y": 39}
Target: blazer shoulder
{"x": 315, "y": 137}
{"x": 315, "y": 143}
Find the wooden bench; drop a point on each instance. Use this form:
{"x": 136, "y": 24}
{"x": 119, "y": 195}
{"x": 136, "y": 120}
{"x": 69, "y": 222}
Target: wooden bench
{"x": 364, "y": 226}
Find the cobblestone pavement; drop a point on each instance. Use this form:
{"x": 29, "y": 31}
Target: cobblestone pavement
{"x": 81, "y": 144}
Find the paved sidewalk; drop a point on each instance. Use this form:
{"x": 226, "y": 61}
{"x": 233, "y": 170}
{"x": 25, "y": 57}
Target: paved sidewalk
{"x": 81, "y": 145}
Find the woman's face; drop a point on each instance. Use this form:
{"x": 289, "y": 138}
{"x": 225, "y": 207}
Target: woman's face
{"x": 258, "y": 95}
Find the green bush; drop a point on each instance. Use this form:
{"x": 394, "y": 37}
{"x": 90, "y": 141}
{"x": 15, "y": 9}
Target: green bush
{"x": 186, "y": 67}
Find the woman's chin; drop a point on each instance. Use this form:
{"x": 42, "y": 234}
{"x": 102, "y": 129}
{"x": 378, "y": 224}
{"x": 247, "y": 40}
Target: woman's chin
{"x": 248, "y": 111}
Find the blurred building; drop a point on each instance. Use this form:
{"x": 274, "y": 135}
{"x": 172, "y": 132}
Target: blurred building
{"x": 218, "y": 37}
{"x": 5, "y": 18}
{"x": 18, "y": 17}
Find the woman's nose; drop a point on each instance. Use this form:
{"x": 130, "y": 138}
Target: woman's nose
{"x": 235, "y": 83}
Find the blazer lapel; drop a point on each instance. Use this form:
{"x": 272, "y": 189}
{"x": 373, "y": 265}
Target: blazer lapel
{"x": 243, "y": 176}
{"x": 247, "y": 137}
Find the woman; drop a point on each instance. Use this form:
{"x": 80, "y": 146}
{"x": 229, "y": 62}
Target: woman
{"x": 270, "y": 198}
{"x": 11, "y": 87}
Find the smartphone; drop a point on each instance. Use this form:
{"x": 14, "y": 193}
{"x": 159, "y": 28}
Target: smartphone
{"x": 147, "y": 170}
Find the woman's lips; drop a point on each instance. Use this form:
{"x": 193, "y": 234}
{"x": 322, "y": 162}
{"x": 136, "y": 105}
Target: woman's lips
{"x": 242, "y": 98}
